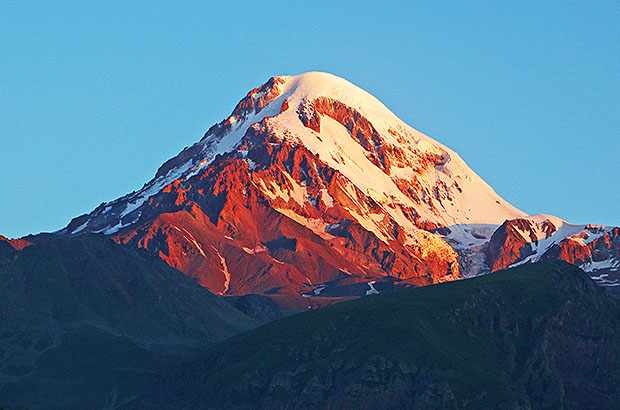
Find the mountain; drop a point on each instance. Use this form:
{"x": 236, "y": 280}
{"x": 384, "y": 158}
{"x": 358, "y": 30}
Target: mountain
{"x": 312, "y": 187}
{"x": 532, "y": 337}
{"x": 86, "y": 322}
{"x": 594, "y": 248}
{"x": 518, "y": 240}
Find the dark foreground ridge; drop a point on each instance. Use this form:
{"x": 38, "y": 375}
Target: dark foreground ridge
{"x": 85, "y": 322}
{"x": 537, "y": 336}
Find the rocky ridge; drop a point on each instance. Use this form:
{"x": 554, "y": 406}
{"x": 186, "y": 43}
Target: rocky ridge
{"x": 537, "y": 336}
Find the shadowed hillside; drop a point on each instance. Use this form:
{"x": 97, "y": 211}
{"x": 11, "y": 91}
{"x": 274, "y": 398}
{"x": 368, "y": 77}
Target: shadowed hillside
{"x": 536, "y": 336}
{"x": 86, "y": 321}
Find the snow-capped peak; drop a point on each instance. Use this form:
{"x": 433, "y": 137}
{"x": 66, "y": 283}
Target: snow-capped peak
{"x": 404, "y": 171}
{"x": 309, "y": 171}
{"x": 316, "y": 84}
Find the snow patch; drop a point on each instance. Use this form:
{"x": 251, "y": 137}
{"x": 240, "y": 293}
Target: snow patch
{"x": 372, "y": 290}
{"x": 327, "y": 199}
{"x": 131, "y": 206}
{"x": 224, "y": 270}
{"x": 255, "y": 250}
{"x": 115, "y": 228}
{"x": 608, "y": 264}
{"x": 318, "y": 226}
{"x": 466, "y": 236}
{"x": 191, "y": 239}
{"x": 80, "y": 228}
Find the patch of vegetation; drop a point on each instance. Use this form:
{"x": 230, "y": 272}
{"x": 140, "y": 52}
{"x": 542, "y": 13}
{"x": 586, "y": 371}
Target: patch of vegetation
{"x": 86, "y": 322}
{"x": 476, "y": 343}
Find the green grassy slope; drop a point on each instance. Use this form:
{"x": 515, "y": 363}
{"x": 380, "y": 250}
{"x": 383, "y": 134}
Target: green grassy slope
{"x": 537, "y": 336}
{"x": 84, "y": 322}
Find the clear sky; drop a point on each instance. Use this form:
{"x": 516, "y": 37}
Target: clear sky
{"x": 94, "y": 96}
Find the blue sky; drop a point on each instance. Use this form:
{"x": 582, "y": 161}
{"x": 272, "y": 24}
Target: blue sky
{"x": 94, "y": 97}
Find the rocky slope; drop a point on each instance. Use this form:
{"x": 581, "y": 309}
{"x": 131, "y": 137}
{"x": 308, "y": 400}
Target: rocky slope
{"x": 594, "y": 248}
{"x": 86, "y": 321}
{"x": 536, "y": 336}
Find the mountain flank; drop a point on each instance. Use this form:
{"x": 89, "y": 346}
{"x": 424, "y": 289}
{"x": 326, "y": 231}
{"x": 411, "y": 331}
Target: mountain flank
{"x": 86, "y": 321}
{"x": 536, "y": 336}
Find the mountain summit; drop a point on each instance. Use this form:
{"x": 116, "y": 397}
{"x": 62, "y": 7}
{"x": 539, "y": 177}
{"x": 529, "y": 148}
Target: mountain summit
{"x": 353, "y": 133}
{"x": 311, "y": 186}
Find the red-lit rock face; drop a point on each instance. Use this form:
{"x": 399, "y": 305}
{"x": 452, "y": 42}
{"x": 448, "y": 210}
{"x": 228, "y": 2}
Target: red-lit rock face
{"x": 17, "y": 243}
{"x": 240, "y": 229}
{"x": 517, "y": 240}
{"x": 511, "y": 242}
{"x": 575, "y": 251}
